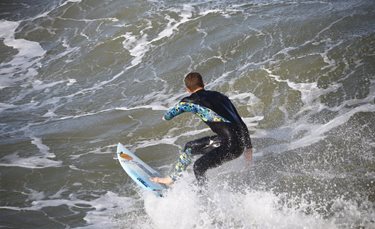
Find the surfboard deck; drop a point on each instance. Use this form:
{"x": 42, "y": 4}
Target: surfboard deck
{"x": 138, "y": 170}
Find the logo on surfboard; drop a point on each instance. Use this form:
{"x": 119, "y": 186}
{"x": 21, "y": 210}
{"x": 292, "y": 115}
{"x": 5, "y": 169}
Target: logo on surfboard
{"x": 142, "y": 181}
{"x": 126, "y": 156}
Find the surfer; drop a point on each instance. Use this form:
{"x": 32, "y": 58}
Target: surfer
{"x": 217, "y": 111}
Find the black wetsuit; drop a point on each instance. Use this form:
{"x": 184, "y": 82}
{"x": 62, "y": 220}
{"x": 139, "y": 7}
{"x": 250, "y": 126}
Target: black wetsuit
{"x": 231, "y": 138}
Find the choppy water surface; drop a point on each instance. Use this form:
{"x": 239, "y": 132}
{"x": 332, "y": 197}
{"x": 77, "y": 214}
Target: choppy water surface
{"x": 78, "y": 76}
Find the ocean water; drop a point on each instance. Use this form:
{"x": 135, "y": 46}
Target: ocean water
{"x": 79, "y": 76}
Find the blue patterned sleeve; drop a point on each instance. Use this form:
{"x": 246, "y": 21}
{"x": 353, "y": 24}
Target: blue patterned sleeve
{"x": 204, "y": 113}
{"x": 174, "y": 111}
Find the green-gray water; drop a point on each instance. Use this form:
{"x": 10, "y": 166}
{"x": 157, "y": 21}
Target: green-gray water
{"x": 79, "y": 76}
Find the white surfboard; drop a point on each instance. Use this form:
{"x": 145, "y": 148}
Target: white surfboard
{"x": 138, "y": 170}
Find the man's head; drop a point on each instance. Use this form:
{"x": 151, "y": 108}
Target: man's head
{"x": 193, "y": 81}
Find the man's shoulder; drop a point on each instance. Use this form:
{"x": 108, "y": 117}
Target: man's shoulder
{"x": 217, "y": 94}
{"x": 188, "y": 99}
{"x": 204, "y": 95}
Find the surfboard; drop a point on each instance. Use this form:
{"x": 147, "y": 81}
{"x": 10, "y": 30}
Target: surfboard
{"x": 138, "y": 170}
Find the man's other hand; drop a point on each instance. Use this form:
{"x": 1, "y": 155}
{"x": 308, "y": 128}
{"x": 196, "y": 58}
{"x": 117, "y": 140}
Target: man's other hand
{"x": 248, "y": 154}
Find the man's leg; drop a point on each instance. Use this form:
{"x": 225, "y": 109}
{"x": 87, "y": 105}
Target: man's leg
{"x": 202, "y": 145}
{"x": 198, "y": 146}
{"x": 217, "y": 156}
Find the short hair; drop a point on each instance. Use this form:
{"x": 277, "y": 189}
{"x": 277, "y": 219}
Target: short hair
{"x": 193, "y": 80}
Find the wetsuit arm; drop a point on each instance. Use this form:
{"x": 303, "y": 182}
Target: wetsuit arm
{"x": 204, "y": 113}
{"x": 174, "y": 111}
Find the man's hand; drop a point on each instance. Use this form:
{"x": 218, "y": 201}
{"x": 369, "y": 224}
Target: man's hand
{"x": 248, "y": 154}
{"x": 162, "y": 180}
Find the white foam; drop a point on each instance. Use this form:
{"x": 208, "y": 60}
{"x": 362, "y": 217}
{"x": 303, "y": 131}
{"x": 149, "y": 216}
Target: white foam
{"x": 223, "y": 208}
{"x": 252, "y": 121}
{"x": 39, "y": 160}
{"x": 107, "y": 206}
{"x": 70, "y": 1}
{"x": 29, "y": 53}
{"x": 138, "y": 46}
{"x": 26, "y": 49}
{"x": 150, "y": 106}
{"x": 104, "y": 207}
{"x": 172, "y": 26}
{"x": 164, "y": 101}
{"x": 40, "y": 85}
{"x": 309, "y": 91}
{"x": 71, "y": 82}
{"x": 245, "y": 98}
{"x": 5, "y": 106}
{"x": 68, "y": 51}
{"x": 31, "y": 162}
{"x": 42, "y": 147}
{"x": 95, "y": 87}
{"x": 313, "y": 132}
{"x": 50, "y": 113}
{"x": 34, "y": 195}
{"x": 97, "y": 151}
{"x": 317, "y": 133}
{"x": 58, "y": 194}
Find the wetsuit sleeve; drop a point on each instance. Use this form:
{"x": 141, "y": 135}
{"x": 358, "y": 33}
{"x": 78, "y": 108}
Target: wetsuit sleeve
{"x": 174, "y": 111}
{"x": 205, "y": 114}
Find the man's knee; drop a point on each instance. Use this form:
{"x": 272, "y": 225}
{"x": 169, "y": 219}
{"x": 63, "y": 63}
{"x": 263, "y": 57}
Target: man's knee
{"x": 200, "y": 169}
{"x": 188, "y": 146}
